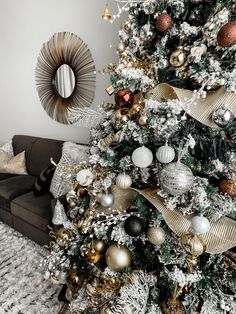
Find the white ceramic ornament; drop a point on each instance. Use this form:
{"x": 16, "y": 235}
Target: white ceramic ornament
{"x": 156, "y": 235}
{"x": 142, "y": 157}
{"x": 84, "y": 177}
{"x": 176, "y": 178}
{"x": 200, "y": 224}
{"x": 106, "y": 200}
{"x": 165, "y": 154}
{"x": 123, "y": 181}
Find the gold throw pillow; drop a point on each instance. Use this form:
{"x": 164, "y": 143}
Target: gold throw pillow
{"x": 14, "y": 165}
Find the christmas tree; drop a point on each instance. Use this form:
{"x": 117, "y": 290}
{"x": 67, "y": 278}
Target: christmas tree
{"x": 149, "y": 225}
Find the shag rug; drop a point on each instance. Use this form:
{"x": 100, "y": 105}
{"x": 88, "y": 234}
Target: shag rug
{"x": 23, "y": 289}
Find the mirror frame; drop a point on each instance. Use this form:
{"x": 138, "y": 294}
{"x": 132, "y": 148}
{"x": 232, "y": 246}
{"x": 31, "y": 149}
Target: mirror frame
{"x": 65, "y": 48}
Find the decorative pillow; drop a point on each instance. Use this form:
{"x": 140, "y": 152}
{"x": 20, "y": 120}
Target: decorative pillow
{"x": 8, "y": 148}
{"x": 72, "y": 154}
{"x": 14, "y": 165}
{"x": 43, "y": 181}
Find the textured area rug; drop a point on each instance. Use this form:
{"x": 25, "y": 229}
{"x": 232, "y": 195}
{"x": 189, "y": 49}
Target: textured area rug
{"x": 23, "y": 290}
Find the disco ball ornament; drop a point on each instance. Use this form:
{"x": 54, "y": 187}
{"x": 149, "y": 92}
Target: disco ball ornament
{"x": 142, "y": 157}
{"x": 147, "y": 32}
{"x": 156, "y": 235}
{"x": 123, "y": 181}
{"x": 222, "y": 116}
{"x": 106, "y": 200}
{"x": 118, "y": 257}
{"x": 165, "y": 154}
{"x": 200, "y": 224}
{"x": 133, "y": 226}
{"x": 176, "y": 178}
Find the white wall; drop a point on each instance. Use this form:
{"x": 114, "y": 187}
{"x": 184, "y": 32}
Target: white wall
{"x": 24, "y": 26}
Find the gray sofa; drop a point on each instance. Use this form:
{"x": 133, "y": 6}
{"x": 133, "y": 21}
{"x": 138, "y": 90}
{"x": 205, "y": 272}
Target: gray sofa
{"x": 19, "y": 207}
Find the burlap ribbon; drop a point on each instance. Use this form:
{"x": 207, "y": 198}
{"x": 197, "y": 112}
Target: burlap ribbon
{"x": 220, "y": 238}
{"x": 201, "y": 109}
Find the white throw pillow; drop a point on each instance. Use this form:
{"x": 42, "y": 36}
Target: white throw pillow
{"x": 8, "y": 148}
{"x": 72, "y": 154}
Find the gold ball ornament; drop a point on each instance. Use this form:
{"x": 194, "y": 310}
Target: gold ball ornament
{"x": 193, "y": 244}
{"x": 118, "y": 257}
{"x": 156, "y": 235}
{"x": 123, "y": 181}
{"x": 178, "y": 58}
{"x": 64, "y": 236}
{"x": 143, "y": 120}
{"x": 226, "y": 36}
{"x": 121, "y": 47}
{"x": 163, "y": 22}
{"x": 98, "y": 245}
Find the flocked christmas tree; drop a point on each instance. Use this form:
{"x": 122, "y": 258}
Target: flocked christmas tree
{"x": 150, "y": 222}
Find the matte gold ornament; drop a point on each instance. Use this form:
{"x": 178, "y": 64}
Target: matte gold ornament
{"x": 143, "y": 120}
{"x": 226, "y": 36}
{"x": 118, "y": 257}
{"x": 178, "y": 58}
{"x": 156, "y": 235}
{"x": 64, "y": 236}
{"x": 123, "y": 181}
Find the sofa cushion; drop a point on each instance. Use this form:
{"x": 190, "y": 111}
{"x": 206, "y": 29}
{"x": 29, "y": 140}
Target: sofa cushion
{"x": 38, "y": 151}
{"x": 4, "y": 176}
{"x": 13, "y": 187}
{"x": 34, "y": 210}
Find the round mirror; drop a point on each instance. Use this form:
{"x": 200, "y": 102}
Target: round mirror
{"x": 64, "y": 80}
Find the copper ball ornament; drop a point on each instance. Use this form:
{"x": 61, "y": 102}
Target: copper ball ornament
{"x": 228, "y": 186}
{"x": 124, "y": 98}
{"x": 163, "y": 22}
{"x": 178, "y": 58}
{"x": 226, "y": 36}
{"x": 118, "y": 257}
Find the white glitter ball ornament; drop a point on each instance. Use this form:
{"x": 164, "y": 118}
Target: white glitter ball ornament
{"x": 165, "y": 154}
{"x": 176, "y": 178}
{"x": 123, "y": 181}
{"x": 200, "y": 224}
{"x": 85, "y": 177}
{"x": 156, "y": 235}
{"x": 142, "y": 157}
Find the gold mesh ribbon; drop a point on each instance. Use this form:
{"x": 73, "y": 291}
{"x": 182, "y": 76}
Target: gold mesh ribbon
{"x": 220, "y": 238}
{"x": 202, "y": 109}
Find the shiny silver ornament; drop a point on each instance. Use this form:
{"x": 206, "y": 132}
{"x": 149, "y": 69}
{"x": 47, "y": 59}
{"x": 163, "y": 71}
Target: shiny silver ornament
{"x": 222, "y": 116}
{"x": 165, "y": 154}
{"x": 156, "y": 235}
{"x": 106, "y": 200}
{"x": 123, "y": 181}
{"x": 147, "y": 32}
{"x": 176, "y": 178}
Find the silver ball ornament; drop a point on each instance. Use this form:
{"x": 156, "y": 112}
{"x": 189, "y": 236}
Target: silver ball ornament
{"x": 176, "y": 178}
{"x": 106, "y": 200}
{"x": 147, "y": 32}
{"x": 222, "y": 116}
{"x": 200, "y": 224}
{"x": 156, "y": 235}
{"x": 165, "y": 154}
{"x": 118, "y": 257}
{"x": 142, "y": 157}
{"x": 123, "y": 181}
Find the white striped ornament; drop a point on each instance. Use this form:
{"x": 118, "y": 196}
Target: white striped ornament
{"x": 165, "y": 154}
